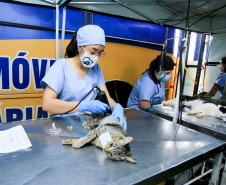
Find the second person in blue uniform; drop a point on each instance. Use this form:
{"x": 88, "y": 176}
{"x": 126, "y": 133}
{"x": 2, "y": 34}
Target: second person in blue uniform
{"x": 220, "y": 80}
{"x": 70, "y": 79}
{"x": 150, "y": 88}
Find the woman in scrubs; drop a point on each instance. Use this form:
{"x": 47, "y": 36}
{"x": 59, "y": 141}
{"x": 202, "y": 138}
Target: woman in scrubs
{"x": 150, "y": 88}
{"x": 70, "y": 79}
{"x": 220, "y": 80}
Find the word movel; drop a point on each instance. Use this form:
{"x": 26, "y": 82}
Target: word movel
{"x": 18, "y": 72}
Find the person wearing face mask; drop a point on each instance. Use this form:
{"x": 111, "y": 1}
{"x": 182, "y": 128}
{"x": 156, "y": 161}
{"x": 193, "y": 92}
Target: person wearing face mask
{"x": 220, "y": 80}
{"x": 150, "y": 88}
{"x": 70, "y": 79}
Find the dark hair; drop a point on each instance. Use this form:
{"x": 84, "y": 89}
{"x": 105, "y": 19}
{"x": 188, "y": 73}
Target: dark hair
{"x": 223, "y": 59}
{"x": 154, "y": 64}
{"x": 167, "y": 65}
{"x": 72, "y": 48}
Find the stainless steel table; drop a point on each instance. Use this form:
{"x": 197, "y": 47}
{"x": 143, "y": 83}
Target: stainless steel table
{"x": 161, "y": 148}
{"x": 212, "y": 126}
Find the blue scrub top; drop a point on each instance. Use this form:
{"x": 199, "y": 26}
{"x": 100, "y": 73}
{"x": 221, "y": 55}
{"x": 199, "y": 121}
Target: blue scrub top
{"x": 220, "y": 80}
{"x": 63, "y": 79}
{"x": 144, "y": 89}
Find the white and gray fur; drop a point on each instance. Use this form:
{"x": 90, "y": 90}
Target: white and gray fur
{"x": 117, "y": 149}
{"x": 200, "y": 108}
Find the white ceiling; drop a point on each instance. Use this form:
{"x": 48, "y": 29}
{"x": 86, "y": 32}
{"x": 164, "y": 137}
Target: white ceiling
{"x": 204, "y": 16}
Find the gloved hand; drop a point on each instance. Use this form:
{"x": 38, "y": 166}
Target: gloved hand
{"x": 94, "y": 106}
{"x": 118, "y": 112}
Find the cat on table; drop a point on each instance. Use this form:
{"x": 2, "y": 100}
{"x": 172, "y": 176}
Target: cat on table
{"x": 200, "y": 108}
{"x": 117, "y": 149}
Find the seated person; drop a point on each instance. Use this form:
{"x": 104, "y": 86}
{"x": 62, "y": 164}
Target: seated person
{"x": 220, "y": 80}
{"x": 150, "y": 87}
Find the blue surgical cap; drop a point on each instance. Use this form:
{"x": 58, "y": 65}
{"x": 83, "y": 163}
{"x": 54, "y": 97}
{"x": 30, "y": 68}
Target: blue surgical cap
{"x": 90, "y": 34}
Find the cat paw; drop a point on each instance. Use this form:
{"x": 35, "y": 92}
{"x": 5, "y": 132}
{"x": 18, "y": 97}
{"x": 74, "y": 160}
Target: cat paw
{"x": 76, "y": 143}
{"x": 200, "y": 114}
{"x": 191, "y": 112}
{"x": 67, "y": 141}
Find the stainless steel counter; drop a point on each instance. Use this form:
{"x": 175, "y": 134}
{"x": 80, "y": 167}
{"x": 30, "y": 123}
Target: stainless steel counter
{"x": 212, "y": 126}
{"x": 161, "y": 149}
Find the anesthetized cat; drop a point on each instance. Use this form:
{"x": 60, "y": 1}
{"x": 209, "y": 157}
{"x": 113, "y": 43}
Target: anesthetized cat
{"x": 117, "y": 149}
{"x": 200, "y": 108}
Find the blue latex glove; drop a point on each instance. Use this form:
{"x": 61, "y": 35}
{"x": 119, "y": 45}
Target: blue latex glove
{"x": 118, "y": 112}
{"x": 94, "y": 106}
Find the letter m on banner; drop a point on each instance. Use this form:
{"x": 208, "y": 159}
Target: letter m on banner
{"x": 4, "y": 73}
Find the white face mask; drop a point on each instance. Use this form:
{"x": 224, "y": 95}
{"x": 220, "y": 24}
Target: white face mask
{"x": 88, "y": 60}
{"x": 221, "y": 69}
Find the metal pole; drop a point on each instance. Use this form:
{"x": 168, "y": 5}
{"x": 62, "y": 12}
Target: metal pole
{"x": 57, "y": 30}
{"x": 65, "y": 3}
{"x": 199, "y": 68}
{"x": 166, "y": 34}
{"x": 63, "y": 32}
{"x": 183, "y": 56}
{"x": 176, "y": 110}
{"x": 186, "y": 58}
{"x": 183, "y": 52}
{"x": 85, "y": 18}
{"x": 91, "y": 18}
{"x": 187, "y": 18}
